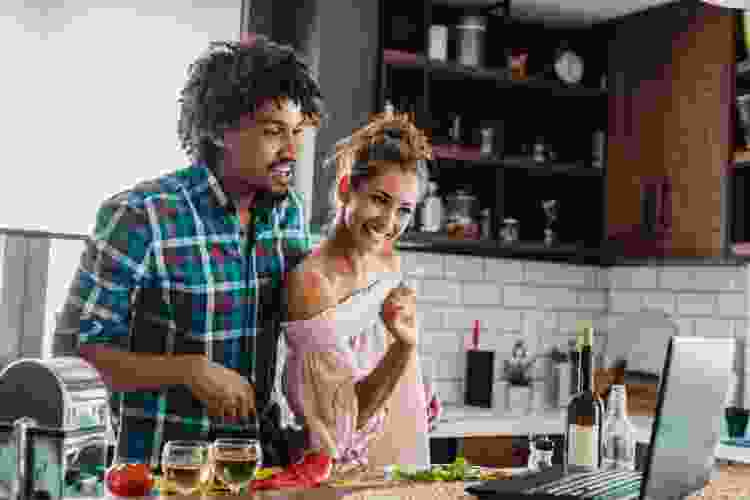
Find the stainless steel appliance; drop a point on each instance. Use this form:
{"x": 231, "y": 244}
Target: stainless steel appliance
{"x": 54, "y": 423}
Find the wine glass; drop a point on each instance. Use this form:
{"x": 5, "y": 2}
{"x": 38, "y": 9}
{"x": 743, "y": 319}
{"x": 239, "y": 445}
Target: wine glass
{"x": 235, "y": 462}
{"x": 185, "y": 465}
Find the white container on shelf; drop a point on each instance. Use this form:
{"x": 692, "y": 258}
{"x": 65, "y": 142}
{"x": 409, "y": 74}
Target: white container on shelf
{"x": 438, "y": 42}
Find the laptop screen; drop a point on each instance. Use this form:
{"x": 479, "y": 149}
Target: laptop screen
{"x": 686, "y": 429}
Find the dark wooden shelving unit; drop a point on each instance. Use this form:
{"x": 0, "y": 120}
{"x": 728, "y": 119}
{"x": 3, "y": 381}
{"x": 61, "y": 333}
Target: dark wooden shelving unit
{"x": 511, "y": 183}
{"x": 737, "y": 179}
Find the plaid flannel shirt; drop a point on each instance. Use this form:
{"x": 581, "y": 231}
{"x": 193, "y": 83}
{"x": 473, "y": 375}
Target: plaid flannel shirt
{"x": 169, "y": 269}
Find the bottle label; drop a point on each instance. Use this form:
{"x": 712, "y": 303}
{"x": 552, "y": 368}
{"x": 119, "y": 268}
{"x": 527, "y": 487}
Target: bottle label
{"x": 583, "y": 449}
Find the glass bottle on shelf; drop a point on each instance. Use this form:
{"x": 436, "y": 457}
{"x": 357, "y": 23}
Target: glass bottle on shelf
{"x": 432, "y": 210}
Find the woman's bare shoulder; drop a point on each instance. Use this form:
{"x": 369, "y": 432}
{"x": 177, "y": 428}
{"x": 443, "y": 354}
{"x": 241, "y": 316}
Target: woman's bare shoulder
{"x": 310, "y": 290}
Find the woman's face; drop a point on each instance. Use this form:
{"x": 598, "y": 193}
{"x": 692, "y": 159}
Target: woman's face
{"x": 379, "y": 209}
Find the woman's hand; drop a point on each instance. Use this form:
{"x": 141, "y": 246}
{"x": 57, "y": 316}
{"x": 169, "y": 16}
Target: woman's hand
{"x": 225, "y": 392}
{"x": 400, "y": 314}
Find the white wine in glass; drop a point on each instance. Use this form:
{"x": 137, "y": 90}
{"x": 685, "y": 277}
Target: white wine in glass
{"x": 235, "y": 462}
{"x": 185, "y": 465}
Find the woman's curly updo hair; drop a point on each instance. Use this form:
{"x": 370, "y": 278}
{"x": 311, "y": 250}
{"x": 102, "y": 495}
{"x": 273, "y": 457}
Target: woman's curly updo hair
{"x": 231, "y": 79}
{"x": 389, "y": 136}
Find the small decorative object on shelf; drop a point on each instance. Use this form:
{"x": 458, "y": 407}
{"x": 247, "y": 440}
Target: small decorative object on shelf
{"x": 539, "y": 152}
{"x": 517, "y": 64}
{"x": 568, "y": 65}
{"x": 597, "y": 152}
{"x": 509, "y": 231}
{"x": 550, "y": 211}
{"x": 486, "y": 148}
{"x": 438, "y": 42}
{"x": 485, "y": 222}
{"x": 470, "y": 35}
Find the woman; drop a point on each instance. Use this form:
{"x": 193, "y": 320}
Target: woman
{"x": 352, "y": 370}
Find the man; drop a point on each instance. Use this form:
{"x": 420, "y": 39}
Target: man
{"x": 177, "y": 298}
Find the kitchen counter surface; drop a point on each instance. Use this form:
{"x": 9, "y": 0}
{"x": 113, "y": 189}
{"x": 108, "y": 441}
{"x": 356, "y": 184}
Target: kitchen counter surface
{"x": 732, "y": 483}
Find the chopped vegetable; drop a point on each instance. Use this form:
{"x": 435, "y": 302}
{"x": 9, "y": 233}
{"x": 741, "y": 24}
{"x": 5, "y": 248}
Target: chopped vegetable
{"x": 459, "y": 470}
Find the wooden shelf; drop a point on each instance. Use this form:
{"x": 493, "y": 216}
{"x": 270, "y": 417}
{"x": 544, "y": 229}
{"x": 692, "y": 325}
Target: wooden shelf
{"x": 472, "y": 155}
{"x": 501, "y": 77}
{"x": 537, "y": 250}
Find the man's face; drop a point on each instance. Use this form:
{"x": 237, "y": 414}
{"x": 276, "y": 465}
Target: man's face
{"x": 261, "y": 153}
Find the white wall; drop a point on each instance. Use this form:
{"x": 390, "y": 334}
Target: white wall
{"x": 89, "y": 99}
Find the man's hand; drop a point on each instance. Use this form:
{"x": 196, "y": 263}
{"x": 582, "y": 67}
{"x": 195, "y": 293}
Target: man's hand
{"x": 225, "y": 392}
{"x": 399, "y": 314}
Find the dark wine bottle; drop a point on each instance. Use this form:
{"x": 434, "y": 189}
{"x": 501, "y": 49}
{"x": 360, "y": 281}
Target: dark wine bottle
{"x": 583, "y": 435}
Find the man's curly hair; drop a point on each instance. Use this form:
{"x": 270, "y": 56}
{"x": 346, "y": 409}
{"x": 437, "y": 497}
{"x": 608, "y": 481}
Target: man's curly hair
{"x": 231, "y": 79}
{"x": 351, "y": 153}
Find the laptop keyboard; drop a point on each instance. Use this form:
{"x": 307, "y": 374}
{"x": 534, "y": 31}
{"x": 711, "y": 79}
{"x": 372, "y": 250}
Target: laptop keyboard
{"x": 598, "y": 485}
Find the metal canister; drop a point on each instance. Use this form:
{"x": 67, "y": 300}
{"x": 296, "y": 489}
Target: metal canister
{"x": 470, "y": 35}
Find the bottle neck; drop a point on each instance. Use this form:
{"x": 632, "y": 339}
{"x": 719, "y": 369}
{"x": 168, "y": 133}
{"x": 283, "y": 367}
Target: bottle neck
{"x": 586, "y": 374}
{"x": 618, "y": 401}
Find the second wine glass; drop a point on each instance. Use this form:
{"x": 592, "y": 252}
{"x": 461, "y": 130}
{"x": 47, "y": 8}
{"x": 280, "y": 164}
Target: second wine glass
{"x": 235, "y": 462}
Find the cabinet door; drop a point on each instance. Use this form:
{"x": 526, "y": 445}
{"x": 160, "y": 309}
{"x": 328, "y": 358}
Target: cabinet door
{"x": 670, "y": 117}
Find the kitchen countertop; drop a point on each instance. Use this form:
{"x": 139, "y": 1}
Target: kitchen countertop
{"x": 732, "y": 483}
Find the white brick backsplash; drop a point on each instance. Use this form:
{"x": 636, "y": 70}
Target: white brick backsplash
{"x": 481, "y": 293}
{"x": 603, "y": 279}
{"x": 685, "y": 326}
{"x": 695, "y": 304}
{"x": 732, "y": 305}
{"x": 545, "y": 273}
{"x": 450, "y": 391}
{"x": 432, "y": 342}
{"x": 659, "y": 301}
{"x": 542, "y": 298}
{"x": 422, "y": 265}
{"x": 632, "y": 277}
{"x": 625, "y": 301}
{"x": 712, "y": 327}
{"x": 707, "y": 278}
{"x": 503, "y": 270}
{"x": 592, "y": 299}
{"x": 429, "y": 317}
{"x": 569, "y": 322}
{"x": 459, "y": 267}
{"x": 431, "y": 290}
{"x": 490, "y": 318}
{"x": 450, "y": 365}
{"x": 539, "y": 323}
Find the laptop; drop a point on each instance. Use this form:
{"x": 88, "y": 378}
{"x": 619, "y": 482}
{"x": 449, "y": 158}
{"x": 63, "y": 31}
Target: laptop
{"x": 684, "y": 436}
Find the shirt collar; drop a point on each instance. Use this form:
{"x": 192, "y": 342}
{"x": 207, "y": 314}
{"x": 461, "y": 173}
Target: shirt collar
{"x": 264, "y": 199}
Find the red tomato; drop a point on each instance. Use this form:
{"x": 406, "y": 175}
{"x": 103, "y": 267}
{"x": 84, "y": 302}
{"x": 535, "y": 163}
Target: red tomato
{"x": 129, "y": 480}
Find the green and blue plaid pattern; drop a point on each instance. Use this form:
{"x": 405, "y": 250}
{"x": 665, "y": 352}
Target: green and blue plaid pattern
{"x": 169, "y": 270}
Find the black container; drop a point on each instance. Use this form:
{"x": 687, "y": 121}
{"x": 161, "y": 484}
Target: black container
{"x": 737, "y": 419}
{"x": 479, "y": 377}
